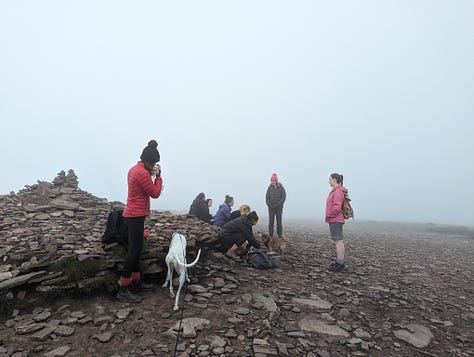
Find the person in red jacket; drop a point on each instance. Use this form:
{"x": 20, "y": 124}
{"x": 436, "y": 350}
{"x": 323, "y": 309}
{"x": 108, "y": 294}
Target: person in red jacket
{"x": 335, "y": 219}
{"x": 144, "y": 181}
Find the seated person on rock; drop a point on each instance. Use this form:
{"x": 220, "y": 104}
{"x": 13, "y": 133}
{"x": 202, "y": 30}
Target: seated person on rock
{"x": 223, "y": 213}
{"x": 200, "y": 208}
{"x": 234, "y": 233}
{"x": 242, "y": 211}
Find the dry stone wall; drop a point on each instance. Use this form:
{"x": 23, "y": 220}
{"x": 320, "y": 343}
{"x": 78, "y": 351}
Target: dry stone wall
{"x": 50, "y": 239}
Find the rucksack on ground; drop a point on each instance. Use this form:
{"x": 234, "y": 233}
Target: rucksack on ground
{"x": 258, "y": 259}
{"x": 116, "y": 230}
{"x": 346, "y": 208}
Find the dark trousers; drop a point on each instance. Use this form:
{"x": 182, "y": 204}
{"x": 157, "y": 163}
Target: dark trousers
{"x": 224, "y": 243}
{"x": 136, "y": 227}
{"x": 272, "y": 213}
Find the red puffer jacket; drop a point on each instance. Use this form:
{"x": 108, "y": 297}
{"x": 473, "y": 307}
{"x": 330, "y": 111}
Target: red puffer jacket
{"x": 140, "y": 188}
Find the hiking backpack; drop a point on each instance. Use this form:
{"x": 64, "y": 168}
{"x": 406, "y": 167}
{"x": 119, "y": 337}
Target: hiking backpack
{"x": 116, "y": 230}
{"x": 258, "y": 259}
{"x": 346, "y": 208}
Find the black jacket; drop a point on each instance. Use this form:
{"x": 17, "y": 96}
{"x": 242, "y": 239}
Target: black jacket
{"x": 234, "y": 214}
{"x": 201, "y": 211}
{"x": 242, "y": 226}
{"x": 276, "y": 196}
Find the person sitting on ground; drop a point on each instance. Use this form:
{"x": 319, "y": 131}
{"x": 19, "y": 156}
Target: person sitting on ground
{"x": 234, "y": 233}
{"x": 209, "y": 202}
{"x": 200, "y": 208}
{"x": 223, "y": 213}
{"x": 242, "y": 211}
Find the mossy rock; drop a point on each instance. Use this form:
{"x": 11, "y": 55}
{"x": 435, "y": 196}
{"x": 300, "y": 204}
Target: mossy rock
{"x": 75, "y": 270}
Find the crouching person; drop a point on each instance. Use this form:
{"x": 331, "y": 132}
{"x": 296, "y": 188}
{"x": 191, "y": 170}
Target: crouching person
{"x": 234, "y": 233}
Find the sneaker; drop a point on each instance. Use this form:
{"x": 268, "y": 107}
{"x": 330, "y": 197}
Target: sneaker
{"x": 138, "y": 285}
{"x": 336, "y": 267}
{"x": 124, "y": 294}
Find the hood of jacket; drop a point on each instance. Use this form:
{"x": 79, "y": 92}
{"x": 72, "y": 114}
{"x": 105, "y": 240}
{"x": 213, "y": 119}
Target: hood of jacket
{"x": 339, "y": 187}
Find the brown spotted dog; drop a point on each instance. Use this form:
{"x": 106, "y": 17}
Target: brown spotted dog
{"x": 273, "y": 243}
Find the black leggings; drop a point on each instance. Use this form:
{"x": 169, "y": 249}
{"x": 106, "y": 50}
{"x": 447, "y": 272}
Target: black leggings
{"x": 136, "y": 227}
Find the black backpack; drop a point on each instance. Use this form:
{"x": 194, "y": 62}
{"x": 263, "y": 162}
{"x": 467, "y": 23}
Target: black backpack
{"x": 258, "y": 259}
{"x": 116, "y": 230}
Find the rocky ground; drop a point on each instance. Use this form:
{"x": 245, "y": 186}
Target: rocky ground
{"x": 407, "y": 291}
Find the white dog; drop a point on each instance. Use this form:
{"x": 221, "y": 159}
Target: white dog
{"x": 176, "y": 259}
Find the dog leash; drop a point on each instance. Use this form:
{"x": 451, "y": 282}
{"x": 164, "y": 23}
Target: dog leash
{"x": 185, "y": 287}
{"x": 179, "y": 328}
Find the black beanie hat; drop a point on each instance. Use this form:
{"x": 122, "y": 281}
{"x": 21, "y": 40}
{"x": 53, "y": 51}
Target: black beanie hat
{"x": 252, "y": 216}
{"x": 150, "y": 153}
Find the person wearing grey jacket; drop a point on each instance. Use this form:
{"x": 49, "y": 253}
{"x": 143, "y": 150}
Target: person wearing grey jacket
{"x": 275, "y": 198}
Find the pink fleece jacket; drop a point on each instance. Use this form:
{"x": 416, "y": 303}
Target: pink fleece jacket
{"x": 334, "y": 205}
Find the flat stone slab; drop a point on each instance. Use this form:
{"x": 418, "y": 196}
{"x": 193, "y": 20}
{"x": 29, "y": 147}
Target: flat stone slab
{"x": 57, "y": 352}
{"x": 320, "y": 326}
{"x": 43, "y": 334}
{"x": 190, "y": 326}
{"x": 20, "y": 280}
{"x": 64, "y": 330}
{"x": 28, "y": 326}
{"x": 63, "y": 204}
{"x": 123, "y": 313}
{"x": 196, "y": 289}
{"x": 268, "y": 304}
{"x": 105, "y": 337}
{"x": 314, "y": 301}
{"x": 416, "y": 335}
{"x": 261, "y": 346}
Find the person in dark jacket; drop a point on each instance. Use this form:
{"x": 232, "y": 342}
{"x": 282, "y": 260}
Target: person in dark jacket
{"x": 144, "y": 181}
{"x": 275, "y": 198}
{"x": 242, "y": 211}
{"x": 223, "y": 213}
{"x": 234, "y": 233}
{"x": 200, "y": 208}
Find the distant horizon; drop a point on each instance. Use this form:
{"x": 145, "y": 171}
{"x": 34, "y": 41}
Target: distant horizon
{"x": 263, "y": 216}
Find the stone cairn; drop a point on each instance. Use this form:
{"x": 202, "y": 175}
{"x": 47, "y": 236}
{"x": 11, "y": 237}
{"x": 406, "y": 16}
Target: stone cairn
{"x": 50, "y": 240}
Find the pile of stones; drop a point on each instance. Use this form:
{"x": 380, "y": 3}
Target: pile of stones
{"x": 51, "y": 239}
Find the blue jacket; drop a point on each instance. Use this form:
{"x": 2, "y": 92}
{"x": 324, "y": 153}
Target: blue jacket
{"x": 222, "y": 215}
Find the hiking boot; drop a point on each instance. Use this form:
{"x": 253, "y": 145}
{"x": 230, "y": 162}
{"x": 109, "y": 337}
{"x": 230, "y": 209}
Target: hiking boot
{"x": 336, "y": 267}
{"x": 138, "y": 285}
{"x": 231, "y": 253}
{"x": 124, "y": 294}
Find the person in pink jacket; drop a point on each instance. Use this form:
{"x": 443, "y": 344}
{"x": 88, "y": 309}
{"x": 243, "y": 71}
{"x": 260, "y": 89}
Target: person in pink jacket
{"x": 335, "y": 219}
{"x": 144, "y": 181}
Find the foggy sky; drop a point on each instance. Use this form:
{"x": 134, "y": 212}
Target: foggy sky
{"x": 381, "y": 92}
